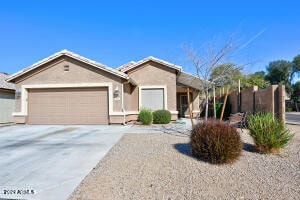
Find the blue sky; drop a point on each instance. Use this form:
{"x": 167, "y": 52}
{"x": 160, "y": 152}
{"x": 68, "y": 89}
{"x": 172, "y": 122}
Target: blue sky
{"x": 116, "y": 32}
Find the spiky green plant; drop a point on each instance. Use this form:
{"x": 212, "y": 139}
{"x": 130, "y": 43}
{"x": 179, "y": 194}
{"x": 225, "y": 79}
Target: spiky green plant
{"x": 269, "y": 134}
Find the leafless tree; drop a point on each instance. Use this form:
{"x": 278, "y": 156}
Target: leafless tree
{"x": 206, "y": 63}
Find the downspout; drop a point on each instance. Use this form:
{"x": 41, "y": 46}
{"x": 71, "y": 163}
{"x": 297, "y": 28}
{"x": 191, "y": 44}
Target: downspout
{"x": 123, "y": 109}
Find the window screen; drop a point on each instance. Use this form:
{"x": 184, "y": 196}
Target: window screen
{"x": 152, "y": 98}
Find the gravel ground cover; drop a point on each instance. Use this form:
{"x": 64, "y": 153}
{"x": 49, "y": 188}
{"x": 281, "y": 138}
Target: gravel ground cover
{"x": 160, "y": 166}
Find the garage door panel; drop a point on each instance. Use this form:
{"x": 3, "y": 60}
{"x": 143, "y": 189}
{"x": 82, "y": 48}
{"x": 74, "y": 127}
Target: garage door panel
{"x": 68, "y": 106}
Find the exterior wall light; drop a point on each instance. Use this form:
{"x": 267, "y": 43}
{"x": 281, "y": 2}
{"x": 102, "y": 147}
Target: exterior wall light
{"x": 116, "y": 91}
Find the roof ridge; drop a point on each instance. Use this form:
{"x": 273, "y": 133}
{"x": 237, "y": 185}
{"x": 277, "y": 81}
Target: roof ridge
{"x": 177, "y": 67}
{"x": 70, "y": 54}
{"x": 122, "y": 67}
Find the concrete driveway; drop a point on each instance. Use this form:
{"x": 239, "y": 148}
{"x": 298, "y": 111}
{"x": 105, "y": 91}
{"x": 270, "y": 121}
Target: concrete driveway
{"x": 48, "y": 162}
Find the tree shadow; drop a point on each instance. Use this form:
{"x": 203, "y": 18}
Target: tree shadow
{"x": 249, "y": 147}
{"x": 185, "y": 148}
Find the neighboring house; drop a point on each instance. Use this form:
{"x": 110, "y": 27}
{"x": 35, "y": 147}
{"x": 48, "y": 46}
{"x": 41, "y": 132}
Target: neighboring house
{"x": 7, "y": 99}
{"x": 67, "y": 88}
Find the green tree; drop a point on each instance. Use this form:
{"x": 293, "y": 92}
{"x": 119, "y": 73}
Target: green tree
{"x": 226, "y": 74}
{"x": 296, "y": 94}
{"x": 255, "y": 79}
{"x": 295, "y": 67}
{"x": 279, "y": 72}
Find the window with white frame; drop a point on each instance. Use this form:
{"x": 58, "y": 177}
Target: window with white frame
{"x": 152, "y": 98}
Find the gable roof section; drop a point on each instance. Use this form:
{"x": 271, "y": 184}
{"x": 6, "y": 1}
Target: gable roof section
{"x": 131, "y": 65}
{"x": 189, "y": 80}
{"x": 124, "y": 67}
{"x": 4, "y": 84}
{"x": 71, "y": 55}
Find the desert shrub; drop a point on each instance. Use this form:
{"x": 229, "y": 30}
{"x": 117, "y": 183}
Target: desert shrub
{"x": 269, "y": 134}
{"x": 289, "y": 109}
{"x": 219, "y": 106}
{"x": 161, "y": 117}
{"x": 145, "y": 116}
{"x": 215, "y": 142}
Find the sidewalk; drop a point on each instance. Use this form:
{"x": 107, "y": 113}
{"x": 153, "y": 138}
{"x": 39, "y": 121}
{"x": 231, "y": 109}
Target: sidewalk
{"x": 294, "y": 128}
{"x": 181, "y": 126}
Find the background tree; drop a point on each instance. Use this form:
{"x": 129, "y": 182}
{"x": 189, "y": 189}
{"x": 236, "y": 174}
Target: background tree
{"x": 258, "y": 79}
{"x": 296, "y": 94}
{"x": 295, "y": 68}
{"x": 279, "y": 72}
{"x": 296, "y": 87}
{"x": 226, "y": 75}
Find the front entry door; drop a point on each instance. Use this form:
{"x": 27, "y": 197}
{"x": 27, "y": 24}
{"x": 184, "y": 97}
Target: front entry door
{"x": 183, "y": 106}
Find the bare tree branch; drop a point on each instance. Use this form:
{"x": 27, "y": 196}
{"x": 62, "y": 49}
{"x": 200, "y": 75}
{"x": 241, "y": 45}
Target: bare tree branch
{"x": 206, "y": 64}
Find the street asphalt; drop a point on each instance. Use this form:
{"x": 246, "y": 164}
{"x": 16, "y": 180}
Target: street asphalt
{"x": 292, "y": 118}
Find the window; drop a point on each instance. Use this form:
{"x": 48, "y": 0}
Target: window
{"x": 152, "y": 98}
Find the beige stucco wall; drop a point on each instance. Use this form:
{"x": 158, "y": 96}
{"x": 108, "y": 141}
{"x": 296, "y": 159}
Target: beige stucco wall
{"x": 271, "y": 99}
{"x": 247, "y": 99}
{"x": 154, "y": 74}
{"x": 264, "y": 99}
{"x": 234, "y": 101}
{"x": 53, "y": 73}
{"x": 131, "y": 117}
{"x": 131, "y": 98}
{"x": 7, "y": 105}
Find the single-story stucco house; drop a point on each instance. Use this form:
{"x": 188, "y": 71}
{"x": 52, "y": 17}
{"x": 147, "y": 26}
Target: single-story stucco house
{"x": 7, "y": 99}
{"x": 66, "y": 88}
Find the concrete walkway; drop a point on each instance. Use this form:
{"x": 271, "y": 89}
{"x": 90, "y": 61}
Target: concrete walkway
{"x": 180, "y": 126}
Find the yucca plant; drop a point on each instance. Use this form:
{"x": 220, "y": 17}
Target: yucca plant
{"x": 269, "y": 134}
{"x": 215, "y": 142}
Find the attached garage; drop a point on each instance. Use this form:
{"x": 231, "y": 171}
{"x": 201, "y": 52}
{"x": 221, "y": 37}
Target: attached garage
{"x": 68, "y": 106}
{"x": 66, "y": 88}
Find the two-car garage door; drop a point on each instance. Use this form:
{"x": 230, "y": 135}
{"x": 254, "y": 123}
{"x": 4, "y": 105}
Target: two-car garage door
{"x": 68, "y": 106}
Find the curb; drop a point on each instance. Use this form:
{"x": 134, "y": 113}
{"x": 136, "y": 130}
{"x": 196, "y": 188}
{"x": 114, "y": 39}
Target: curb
{"x": 292, "y": 123}
{"x": 8, "y": 124}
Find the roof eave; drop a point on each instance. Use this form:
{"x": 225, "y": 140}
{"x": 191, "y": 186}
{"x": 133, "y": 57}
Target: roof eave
{"x": 151, "y": 58}
{"x": 9, "y": 89}
{"x": 69, "y": 54}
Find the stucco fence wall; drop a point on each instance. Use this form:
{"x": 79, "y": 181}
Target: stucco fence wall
{"x": 252, "y": 99}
